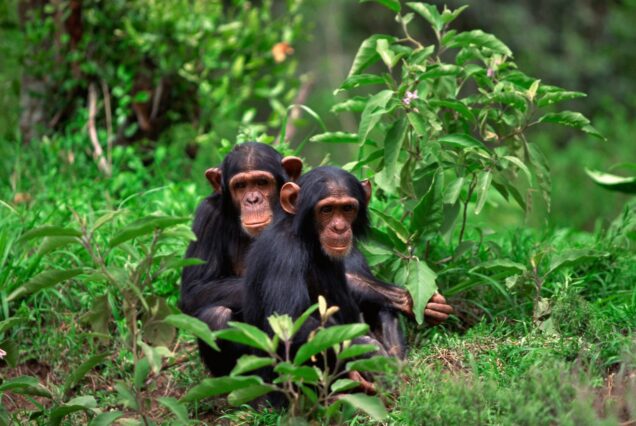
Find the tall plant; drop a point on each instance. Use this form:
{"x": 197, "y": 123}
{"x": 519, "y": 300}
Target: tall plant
{"x": 448, "y": 127}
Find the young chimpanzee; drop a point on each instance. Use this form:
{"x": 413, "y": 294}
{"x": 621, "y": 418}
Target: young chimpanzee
{"x": 302, "y": 254}
{"x": 246, "y": 195}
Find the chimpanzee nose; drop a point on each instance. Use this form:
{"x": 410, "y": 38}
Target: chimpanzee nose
{"x": 339, "y": 226}
{"x": 253, "y": 198}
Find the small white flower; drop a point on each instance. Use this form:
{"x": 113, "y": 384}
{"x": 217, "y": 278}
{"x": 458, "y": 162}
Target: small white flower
{"x": 2, "y": 354}
{"x": 410, "y": 96}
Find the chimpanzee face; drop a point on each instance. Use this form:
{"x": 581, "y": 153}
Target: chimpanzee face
{"x": 252, "y": 194}
{"x": 334, "y": 217}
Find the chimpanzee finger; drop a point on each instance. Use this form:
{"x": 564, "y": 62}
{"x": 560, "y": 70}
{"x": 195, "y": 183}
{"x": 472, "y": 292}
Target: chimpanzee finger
{"x": 435, "y": 315}
{"x": 438, "y": 298}
{"x": 448, "y": 309}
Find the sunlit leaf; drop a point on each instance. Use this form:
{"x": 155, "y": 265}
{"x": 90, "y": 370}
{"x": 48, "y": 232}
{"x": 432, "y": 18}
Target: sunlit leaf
{"x": 371, "y": 405}
{"x": 613, "y": 182}
{"x": 145, "y": 226}
{"x": 328, "y": 337}
{"x": 420, "y": 282}
{"x": 43, "y": 280}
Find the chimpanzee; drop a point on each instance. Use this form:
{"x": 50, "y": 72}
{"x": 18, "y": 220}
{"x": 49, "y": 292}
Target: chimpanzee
{"x": 302, "y": 254}
{"x": 246, "y": 195}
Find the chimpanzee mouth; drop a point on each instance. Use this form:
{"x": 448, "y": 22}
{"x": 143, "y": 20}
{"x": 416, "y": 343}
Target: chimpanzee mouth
{"x": 256, "y": 224}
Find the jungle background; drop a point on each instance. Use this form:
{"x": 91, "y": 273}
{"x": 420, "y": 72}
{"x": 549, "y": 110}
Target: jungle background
{"x": 112, "y": 111}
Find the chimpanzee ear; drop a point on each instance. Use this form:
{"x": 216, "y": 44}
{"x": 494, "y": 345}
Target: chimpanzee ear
{"x": 366, "y": 186}
{"x": 288, "y": 197}
{"x": 293, "y": 166}
{"x": 214, "y": 177}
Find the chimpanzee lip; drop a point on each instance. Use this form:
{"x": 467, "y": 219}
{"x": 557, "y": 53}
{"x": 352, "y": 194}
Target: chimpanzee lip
{"x": 255, "y": 224}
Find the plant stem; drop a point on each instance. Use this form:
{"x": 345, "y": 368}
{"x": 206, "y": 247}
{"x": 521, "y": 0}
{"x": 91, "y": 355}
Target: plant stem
{"x": 471, "y": 188}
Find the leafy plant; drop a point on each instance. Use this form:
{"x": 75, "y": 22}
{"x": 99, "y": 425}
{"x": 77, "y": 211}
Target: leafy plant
{"x": 312, "y": 390}
{"x": 448, "y": 128}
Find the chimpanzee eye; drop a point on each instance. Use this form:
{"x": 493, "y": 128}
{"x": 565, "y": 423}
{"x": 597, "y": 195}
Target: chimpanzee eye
{"x": 262, "y": 182}
{"x": 347, "y": 207}
{"x": 326, "y": 209}
{"x": 239, "y": 185}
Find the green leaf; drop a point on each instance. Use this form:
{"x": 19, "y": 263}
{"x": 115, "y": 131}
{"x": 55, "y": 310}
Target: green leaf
{"x": 49, "y": 231}
{"x": 420, "y": 282}
{"x": 449, "y": 16}
{"x": 301, "y": 319}
{"x": 78, "y": 373}
{"x": 394, "y": 5}
{"x": 453, "y": 190}
{"x": 458, "y": 106}
{"x": 373, "y": 113}
{"x": 613, "y": 182}
{"x": 441, "y": 70}
{"x": 560, "y": 96}
{"x": 342, "y": 385}
{"x": 376, "y": 364}
{"x": 506, "y": 266}
{"x": 358, "y": 80}
{"x": 428, "y": 213}
{"x": 251, "y": 362}
{"x": 356, "y": 350}
{"x": 194, "y": 326}
{"x": 145, "y": 226}
{"x": 105, "y": 218}
{"x": 25, "y": 385}
{"x": 539, "y": 164}
{"x": 142, "y": 370}
{"x": 367, "y": 53}
{"x": 335, "y": 137}
{"x": 297, "y": 373}
{"x": 350, "y": 105}
{"x": 573, "y": 258}
{"x": 178, "y": 409}
{"x": 50, "y": 244}
{"x": 483, "y": 185}
{"x": 393, "y": 224}
{"x": 462, "y": 140}
{"x": 9, "y": 323}
{"x": 385, "y": 52}
{"x": 428, "y": 12}
{"x": 81, "y": 403}
{"x": 328, "y": 337}
{"x": 517, "y": 162}
{"x": 41, "y": 281}
{"x": 478, "y": 38}
{"x": 371, "y": 405}
{"x": 219, "y": 385}
{"x": 248, "y": 335}
{"x": 106, "y": 419}
{"x": 126, "y": 396}
{"x": 571, "y": 119}
{"x": 392, "y": 147}
{"x": 418, "y": 123}
{"x": 247, "y": 394}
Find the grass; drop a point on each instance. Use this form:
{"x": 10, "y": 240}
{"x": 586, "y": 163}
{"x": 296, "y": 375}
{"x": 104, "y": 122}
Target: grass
{"x": 502, "y": 360}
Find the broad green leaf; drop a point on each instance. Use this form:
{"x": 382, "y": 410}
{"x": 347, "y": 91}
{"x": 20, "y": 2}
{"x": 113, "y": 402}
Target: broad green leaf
{"x": 420, "y": 282}
{"x": 178, "y": 409}
{"x": 350, "y": 105}
{"x": 281, "y": 325}
{"x": 247, "y": 394}
{"x": 194, "y": 326}
{"x": 513, "y": 99}
{"x": 462, "y": 140}
{"x": 145, "y": 226}
{"x": 105, "y": 218}
{"x": 358, "y": 80}
{"x": 335, "y": 137}
{"x": 392, "y": 147}
{"x": 376, "y": 364}
{"x": 142, "y": 370}
{"x": 328, "y": 337}
{"x": 571, "y": 119}
{"x": 539, "y": 164}
{"x": 49, "y": 231}
{"x": 573, "y": 258}
{"x": 249, "y": 363}
{"x": 301, "y": 319}
{"x": 517, "y": 162}
{"x": 304, "y": 373}
{"x": 43, "y": 280}
{"x": 453, "y": 190}
{"x": 81, "y": 403}
{"x": 342, "y": 385}
{"x": 418, "y": 123}
{"x": 560, "y": 96}
{"x": 449, "y": 16}
{"x": 50, "y": 244}
{"x": 24, "y": 385}
{"x": 372, "y": 113}
{"x": 428, "y": 12}
{"x": 441, "y": 70}
{"x": 384, "y": 50}
{"x": 394, "y": 5}
{"x": 458, "y": 106}
{"x": 356, "y": 350}
{"x": 219, "y": 385}
{"x": 613, "y": 182}
{"x": 248, "y": 335}
{"x": 106, "y": 419}
{"x": 126, "y": 396}
{"x": 78, "y": 373}
{"x": 367, "y": 53}
{"x": 393, "y": 224}
{"x": 428, "y": 213}
{"x": 483, "y": 185}
{"x": 478, "y": 38}
{"x": 371, "y": 405}
{"x": 501, "y": 265}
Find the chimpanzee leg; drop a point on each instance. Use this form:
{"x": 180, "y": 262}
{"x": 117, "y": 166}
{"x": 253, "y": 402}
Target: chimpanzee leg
{"x": 385, "y": 327}
{"x": 220, "y": 363}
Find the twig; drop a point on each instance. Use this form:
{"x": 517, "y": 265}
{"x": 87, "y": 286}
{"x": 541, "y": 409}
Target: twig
{"x": 109, "y": 122}
{"x": 98, "y": 153}
{"x": 471, "y": 188}
{"x": 301, "y": 99}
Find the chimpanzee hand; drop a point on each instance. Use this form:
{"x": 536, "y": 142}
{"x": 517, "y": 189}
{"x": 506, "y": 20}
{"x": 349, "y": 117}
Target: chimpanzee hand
{"x": 437, "y": 310}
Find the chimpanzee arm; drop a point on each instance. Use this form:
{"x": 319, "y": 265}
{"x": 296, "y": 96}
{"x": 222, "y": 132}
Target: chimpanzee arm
{"x": 372, "y": 293}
